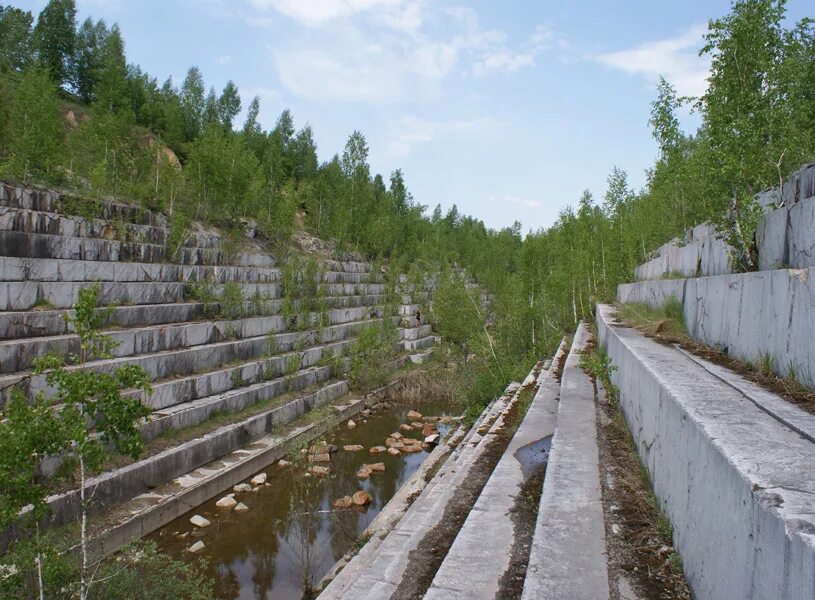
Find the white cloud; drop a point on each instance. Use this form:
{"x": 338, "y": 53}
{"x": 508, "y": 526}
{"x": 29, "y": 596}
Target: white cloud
{"x": 504, "y": 59}
{"x": 317, "y": 12}
{"x": 676, "y": 59}
{"x": 410, "y": 131}
{"x": 522, "y": 202}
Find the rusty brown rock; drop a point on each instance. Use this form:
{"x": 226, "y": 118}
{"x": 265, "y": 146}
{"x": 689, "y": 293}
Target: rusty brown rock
{"x": 361, "y": 498}
{"x": 344, "y": 502}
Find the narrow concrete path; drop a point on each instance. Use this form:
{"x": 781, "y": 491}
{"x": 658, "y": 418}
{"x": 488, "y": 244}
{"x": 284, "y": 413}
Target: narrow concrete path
{"x": 568, "y": 556}
{"x": 472, "y": 568}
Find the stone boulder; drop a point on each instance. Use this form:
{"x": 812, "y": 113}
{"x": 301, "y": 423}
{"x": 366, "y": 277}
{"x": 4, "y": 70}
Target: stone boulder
{"x": 377, "y": 449}
{"x": 351, "y": 424}
{"x": 226, "y": 502}
{"x": 199, "y": 521}
{"x": 242, "y": 487}
{"x": 364, "y": 472}
{"x": 362, "y": 498}
{"x": 413, "y": 415}
{"x": 394, "y": 451}
{"x": 259, "y": 479}
{"x": 196, "y": 547}
{"x": 241, "y": 507}
{"x": 317, "y": 470}
{"x": 353, "y": 448}
{"x": 429, "y": 429}
{"x": 343, "y": 503}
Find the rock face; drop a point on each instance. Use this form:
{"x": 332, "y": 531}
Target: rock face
{"x": 259, "y": 479}
{"x": 362, "y": 498}
{"x": 343, "y": 503}
{"x": 200, "y": 521}
{"x": 226, "y": 502}
{"x": 196, "y": 547}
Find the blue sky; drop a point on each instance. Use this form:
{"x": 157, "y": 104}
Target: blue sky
{"x": 507, "y": 109}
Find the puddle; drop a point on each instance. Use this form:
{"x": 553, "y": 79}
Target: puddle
{"x": 533, "y": 457}
{"x": 290, "y": 528}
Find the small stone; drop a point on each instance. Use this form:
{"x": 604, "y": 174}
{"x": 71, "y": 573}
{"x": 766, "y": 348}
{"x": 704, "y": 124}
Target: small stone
{"x": 353, "y": 448}
{"x": 366, "y": 412}
{"x": 410, "y": 449}
{"x": 429, "y": 429}
{"x": 361, "y": 498}
{"x": 344, "y": 502}
{"x": 417, "y": 425}
{"x": 432, "y": 439}
{"x": 315, "y": 470}
{"x": 196, "y": 547}
{"x": 377, "y": 467}
{"x": 377, "y": 449}
{"x": 390, "y": 442}
{"x": 241, "y": 507}
{"x": 320, "y": 457}
{"x": 405, "y": 427}
{"x": 396, "y": 435}
{"x": 200, "y": 521}
{"x": 182, "y": 536}
{"x": 394, "y": 451}
{"x": 226, "y": 502}
{"x": 364, "y": 472}
{"x": 242, "y": 487}
{"x": 351, "y": 424}
{"x": 259, "y": 479}
{"x": 283, "y": 463}
{"x": 413, "y": 415}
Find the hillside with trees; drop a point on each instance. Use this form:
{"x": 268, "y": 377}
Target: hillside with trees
{"x": 77, "y": 114}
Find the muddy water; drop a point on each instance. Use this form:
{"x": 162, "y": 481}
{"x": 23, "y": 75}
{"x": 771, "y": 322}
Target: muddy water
{"x": 290, "y": 531}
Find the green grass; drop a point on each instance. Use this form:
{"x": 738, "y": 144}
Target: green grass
{"x": 667, "y": 320}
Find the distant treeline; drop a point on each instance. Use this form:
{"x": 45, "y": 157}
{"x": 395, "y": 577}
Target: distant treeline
{"x": 76, "y": 113}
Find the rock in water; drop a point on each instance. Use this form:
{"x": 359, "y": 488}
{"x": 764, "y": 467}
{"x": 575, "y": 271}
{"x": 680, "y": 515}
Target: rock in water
{"x": 316, "y": 470}
{"x": 394, "y": 451}
{"x": 429, "y": 429}
{"x": 405, "y": 427}
{"x": 377, "y": 449}
{"x": 259, "y": 479}
{"x": 242, "y": 487}
{"x": 377, "y": 467}
{"x": 364, "y": 472}
{"x": 432, "y": 439}
{"x": 413, "y": 415}
{"x": 197, "y": 547}
{"x": 283, "y": 463}
{"x": 320, "y": 457}
{"x": 241, "y": 507}
{"x": 226, "y": 502}
{"x": 200, "y": 521}
{"x": 361, "y": 498}
{"x": 396, "y": 435}
{"x": 353, "y": 448}
{"x": 351, "y": 424}
{"x": 344, "y": 502}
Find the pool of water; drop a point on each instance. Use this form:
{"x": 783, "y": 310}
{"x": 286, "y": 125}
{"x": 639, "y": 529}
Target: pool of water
{"x": 291, "y": 534}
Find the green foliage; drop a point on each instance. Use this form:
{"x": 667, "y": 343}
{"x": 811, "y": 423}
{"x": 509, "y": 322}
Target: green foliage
{"x": 54, "y": 39}
{"x": 33, "y": 131}
{"x": 15, "y": 38}
{"x": 372, "y": 350}
{"x": 231, "y": 302}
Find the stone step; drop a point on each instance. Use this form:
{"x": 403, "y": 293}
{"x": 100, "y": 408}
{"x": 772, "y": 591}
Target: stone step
{"x": 17, "y": 196}
{"x": 422, "y": 343}
{"x": 25, "y": 323}
{"x": 116, "y": 486}
{"x": 471, "y": 568}
{"x": 569, "y": 536}
{"x": 26, "y": 295}
{"x": 711, "y": 439}
{"x": 748, "y": 315}
{"x": 377, "y": 575}
{"x": 19, "y": 354}
{"x": 47, "y": 246}
{"x": 196, "y": 359}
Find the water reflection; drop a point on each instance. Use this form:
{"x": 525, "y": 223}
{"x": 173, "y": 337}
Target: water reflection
{"x": 261, "y": 553}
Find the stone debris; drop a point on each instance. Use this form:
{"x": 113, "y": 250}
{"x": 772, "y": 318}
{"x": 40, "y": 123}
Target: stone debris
{"x": 377, "y": 449}
{"x": 226, "y": 502}
{"x": 259, "y": 479}
{"x": 242, "y": 487}
{"x": 353, "y": 448}
{"x": 241, "y": 507}
{"x": 317, "y": 470}
{"x": 351, "y": 424}
{"x": 200, "y": 521}
{"x": 362, "y": 498}
{"x": 283, "y": 463}
{"x": 389, "y": 442}
{"x": 320, "y": 457}
{"x": 394, "y": 451}
{"x": 413, "y": 415}
{"x": 196, "y": 547}
{"x": 343, "y": 503}
{"x": 396, "y": 435}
